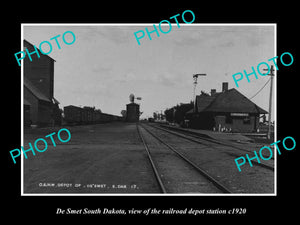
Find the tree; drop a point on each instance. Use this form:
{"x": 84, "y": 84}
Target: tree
{"x": 155, "y": 116}
{"x": 124, "y": 113}
{"x": 169, "y": 115}
{"x": 177, "y": 113}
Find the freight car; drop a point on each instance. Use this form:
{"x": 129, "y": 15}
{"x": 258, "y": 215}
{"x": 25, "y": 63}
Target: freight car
{"x": 74, "y": 115}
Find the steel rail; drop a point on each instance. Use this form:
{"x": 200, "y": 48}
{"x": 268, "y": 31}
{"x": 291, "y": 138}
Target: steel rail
{"x": 185, "y": 136}
{"x": 200, "y": 170}
{"x": 205, "y": 139}
{"x": 160, "y": 183}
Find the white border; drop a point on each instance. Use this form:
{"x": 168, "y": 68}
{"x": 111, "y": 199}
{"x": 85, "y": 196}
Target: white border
{"x": 149, "y": 24}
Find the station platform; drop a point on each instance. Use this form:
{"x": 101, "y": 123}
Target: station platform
{"x": 233, "y": 137}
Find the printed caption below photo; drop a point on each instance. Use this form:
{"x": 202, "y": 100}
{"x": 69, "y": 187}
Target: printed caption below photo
{"x": 151, "y": 211}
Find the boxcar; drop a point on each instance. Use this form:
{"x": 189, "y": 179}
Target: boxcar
{"x": 73, "y": 114}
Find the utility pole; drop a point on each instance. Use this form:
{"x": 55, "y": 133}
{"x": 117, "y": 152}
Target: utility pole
{"x": 270, "y": 100}
{"x": 195, "y": 76}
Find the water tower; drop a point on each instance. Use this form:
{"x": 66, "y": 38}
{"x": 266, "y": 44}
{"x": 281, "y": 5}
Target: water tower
{"x": 133, "y": 110}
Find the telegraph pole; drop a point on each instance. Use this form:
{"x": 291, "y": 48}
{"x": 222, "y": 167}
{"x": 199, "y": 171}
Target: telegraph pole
{"x": 270, "y": 100}
{"x": 195, "y": 76}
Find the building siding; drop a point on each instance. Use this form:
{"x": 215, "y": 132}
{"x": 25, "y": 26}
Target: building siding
{"x": 133, "y": 112}
{"x": 40, "y": 75}
{"x": 236, "y": 124}
{"x": 33, "y": 105}
{"x": 40, "y": 71}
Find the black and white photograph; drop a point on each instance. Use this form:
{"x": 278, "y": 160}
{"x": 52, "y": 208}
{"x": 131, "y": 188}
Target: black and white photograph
{"x": 149, "y": 112}
{"x": 184, "y": 109}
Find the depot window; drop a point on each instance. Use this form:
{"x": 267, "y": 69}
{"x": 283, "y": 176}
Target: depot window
{"x": 246, "y": 120}
{"x": 228, "y": 119}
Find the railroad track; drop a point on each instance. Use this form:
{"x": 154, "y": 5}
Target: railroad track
{"x": 199, "y": 140}
{"x": 219, "y": 142}
{"x": 211, "y": 180}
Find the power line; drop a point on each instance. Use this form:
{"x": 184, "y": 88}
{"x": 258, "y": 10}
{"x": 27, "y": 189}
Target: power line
{"x": 261, "y": 88}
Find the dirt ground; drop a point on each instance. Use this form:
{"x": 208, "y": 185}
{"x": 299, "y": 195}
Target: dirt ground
{"x": 110, "y": 158}
{"x": 101, "y": 158}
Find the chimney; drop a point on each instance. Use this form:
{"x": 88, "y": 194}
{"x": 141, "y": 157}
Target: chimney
{"x": 224, "y": 86}
{"x": 213, "y": 92}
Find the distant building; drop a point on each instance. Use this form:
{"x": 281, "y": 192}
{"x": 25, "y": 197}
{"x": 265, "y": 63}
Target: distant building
{"x": 40, "y": 106}
{"x": 132, "y": 112}
{"x": 228, "y": 110}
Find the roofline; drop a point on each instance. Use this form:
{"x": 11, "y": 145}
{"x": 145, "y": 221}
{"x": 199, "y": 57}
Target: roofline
{"x": 215, "y": 97}
{"x": 39, "y": 50}
{"x": 32, "y": 89}
{"x": 132, "y": 103}
{"x": 35, "y": 95}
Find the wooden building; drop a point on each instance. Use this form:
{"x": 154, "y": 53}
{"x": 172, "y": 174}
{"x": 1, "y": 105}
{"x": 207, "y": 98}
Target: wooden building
{"x": 228, "y": 110}
{"x": 132, "y": 112}
{"x": 40, "y": 106}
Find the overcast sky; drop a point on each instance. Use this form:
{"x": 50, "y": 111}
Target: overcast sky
{"x": 105, "y": 64}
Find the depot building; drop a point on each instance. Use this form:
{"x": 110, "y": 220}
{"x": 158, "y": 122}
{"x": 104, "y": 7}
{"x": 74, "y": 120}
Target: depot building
{"x": 228, "y": 110}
